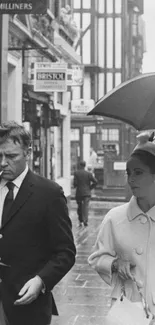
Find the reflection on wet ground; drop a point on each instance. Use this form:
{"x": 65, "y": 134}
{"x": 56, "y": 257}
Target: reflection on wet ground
{"x": 82, "y": 297}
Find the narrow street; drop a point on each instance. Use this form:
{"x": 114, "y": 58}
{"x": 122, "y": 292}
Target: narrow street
{"x": 82, "y": 297}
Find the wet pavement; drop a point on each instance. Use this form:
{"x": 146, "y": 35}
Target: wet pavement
{"x": 81, "y": 296}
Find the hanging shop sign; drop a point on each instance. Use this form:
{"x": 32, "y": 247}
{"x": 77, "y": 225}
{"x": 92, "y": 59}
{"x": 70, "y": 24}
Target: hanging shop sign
{"x": 23, "y": 7}
{"x": 82, "y": 106}
{"x": 75, "y": 75}
{"x": 50, "y": 77}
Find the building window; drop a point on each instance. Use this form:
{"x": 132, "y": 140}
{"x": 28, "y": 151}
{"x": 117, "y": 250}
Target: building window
{"x": 118, "y": 6}
{"x": 86, "y": 4}
{"x": 110, "y": 6}
{"x": 113, "y": 134}
{"x": 110, "y": 135}
{"x": 77, "y": 4}
{"x": 101, "y": 85}
{"x": 60, "y": 150}
{"x": 60, "y": 98}
{"x": 77, "y": 19}
{"x": 118, "y": 42}
{"x": 117, "y": 79}
{"x": 109, "y": 43}
{"x": 104, "y": 134}
{"x": 85, "y": 20}
{"x": 75, "y": 134}
{"x": 86, "y": 48}
{"x": 101, "y": 44}
{"x": 101, "y": 6}
{"x": 109, "y": 81}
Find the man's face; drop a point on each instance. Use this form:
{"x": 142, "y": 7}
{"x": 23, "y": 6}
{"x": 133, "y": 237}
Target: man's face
{"x": 13, "y": 159}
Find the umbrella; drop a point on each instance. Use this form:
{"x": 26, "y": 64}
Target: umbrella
{"x": 132, "y": 102}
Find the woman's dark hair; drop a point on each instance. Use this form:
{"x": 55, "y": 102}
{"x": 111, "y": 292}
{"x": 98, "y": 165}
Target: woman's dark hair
{"x": 146, "y": 158}
{"x": 15, "y": 132}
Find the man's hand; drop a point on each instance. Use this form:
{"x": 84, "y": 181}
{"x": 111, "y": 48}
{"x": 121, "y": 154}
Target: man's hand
{"x": 30, "y": 291}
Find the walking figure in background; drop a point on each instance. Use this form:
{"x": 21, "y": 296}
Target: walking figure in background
{"x": 124, "y": 253}
{"x": 84, "y": 182}
{"x": 92, "y": 159}
{"x": 36, "y": 241}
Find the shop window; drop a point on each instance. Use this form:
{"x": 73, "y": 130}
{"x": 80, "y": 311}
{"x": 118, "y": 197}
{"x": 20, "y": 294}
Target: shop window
{"x": 60, "y": 150}
{"x": 110, "y": 134}
{"x": 75, "y": 134}
{"x": 60, "y": 98}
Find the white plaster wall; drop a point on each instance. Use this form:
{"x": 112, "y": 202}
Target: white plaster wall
{"x": 14, "y": 88}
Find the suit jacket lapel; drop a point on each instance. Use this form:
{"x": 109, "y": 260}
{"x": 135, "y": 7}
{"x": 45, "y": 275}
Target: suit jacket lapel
{"x": 23, "y": 195}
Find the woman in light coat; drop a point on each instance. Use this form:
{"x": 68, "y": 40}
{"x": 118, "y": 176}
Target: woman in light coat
{"x": 124, "y": 254}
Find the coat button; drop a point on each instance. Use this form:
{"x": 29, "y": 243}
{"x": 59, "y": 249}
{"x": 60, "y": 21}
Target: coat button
{"x": 143, "y": 219}
{"x": 1, "y": 236}
{"x": 139, "y": 250}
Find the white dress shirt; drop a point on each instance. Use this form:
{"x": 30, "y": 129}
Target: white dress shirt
{"x": 4, "y": 189}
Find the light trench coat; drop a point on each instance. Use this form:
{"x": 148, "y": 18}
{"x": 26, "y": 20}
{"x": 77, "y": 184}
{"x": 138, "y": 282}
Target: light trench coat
{"x": 129, "y": 233}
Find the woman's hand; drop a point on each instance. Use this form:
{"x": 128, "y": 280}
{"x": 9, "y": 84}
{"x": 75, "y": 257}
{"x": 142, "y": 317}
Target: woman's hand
{"x": 124, "y": 269}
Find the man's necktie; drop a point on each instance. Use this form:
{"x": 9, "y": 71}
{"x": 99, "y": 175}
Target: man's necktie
{"x": 7, "y": 202}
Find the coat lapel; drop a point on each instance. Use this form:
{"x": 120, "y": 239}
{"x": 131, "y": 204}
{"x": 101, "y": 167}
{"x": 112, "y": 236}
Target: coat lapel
{"x": 23, "y": 195}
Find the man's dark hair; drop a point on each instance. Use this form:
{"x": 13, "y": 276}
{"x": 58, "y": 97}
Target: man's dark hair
{"x": 15, "y": 132}
{"x": 146, "y": 158}
{"x": 82, "y": 163}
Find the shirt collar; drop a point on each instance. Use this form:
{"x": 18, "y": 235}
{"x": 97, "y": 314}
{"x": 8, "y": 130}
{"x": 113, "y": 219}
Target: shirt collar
{"x": 17, "y": 181}
{"x": 134, "y": 210}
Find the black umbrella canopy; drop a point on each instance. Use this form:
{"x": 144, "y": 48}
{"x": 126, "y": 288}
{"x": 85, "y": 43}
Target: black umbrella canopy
{"x": 132, "y": 102}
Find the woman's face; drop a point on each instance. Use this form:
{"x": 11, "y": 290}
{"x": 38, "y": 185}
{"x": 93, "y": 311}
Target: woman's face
{"x": 140, "y": 178}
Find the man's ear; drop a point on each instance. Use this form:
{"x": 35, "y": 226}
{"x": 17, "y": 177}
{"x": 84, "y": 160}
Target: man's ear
{"x": 27, "y": 153}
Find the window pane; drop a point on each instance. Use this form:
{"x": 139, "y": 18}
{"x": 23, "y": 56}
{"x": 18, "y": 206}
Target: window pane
{"x": 85, "y": 21}
{"x": 87, "y": 87}
{"x": 75, "y": 135}
{"x": 77, "y": 19}
{"x": 109, "y": 6}
{"x": 101, "y": 6}
{"x": 101, "y": 86}
{"x": 118, "y": 41}
{"x": 113, "y": 135}
{"x": 86, "y": 4}
{"x": 109, "y": 42}
{"x": 118, "y": 6}
{"x": 117, "y": 79}
{"x": 86, "y": 48}
{"x": 101, "y": 42}
{"x": 109, "y": 81}
{"x": 104, "y": 134}
{"x": 77, "y": 4}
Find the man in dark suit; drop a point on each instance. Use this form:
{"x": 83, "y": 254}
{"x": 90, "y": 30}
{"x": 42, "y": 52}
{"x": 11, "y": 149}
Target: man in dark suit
{"x": 36, "y": 241}
{"x": 84, "y": 182}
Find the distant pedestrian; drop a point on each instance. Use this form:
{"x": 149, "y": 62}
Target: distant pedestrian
{"x": 92, "y": 158}
{"x": 84, "y": 182}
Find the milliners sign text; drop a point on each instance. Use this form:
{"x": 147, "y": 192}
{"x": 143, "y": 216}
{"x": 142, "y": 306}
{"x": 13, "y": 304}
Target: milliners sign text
{"x": 23, "y": 6}
{"x": 50, "y": 76}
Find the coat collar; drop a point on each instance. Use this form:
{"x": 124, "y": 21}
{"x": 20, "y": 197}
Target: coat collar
{"x": 134, "y": 210}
